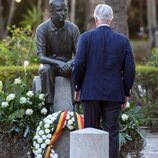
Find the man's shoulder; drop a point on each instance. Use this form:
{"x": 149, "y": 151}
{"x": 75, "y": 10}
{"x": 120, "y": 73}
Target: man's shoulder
{"x": 88, "y": 33}
{"x": 71, "y": 25}
{"x": 44, "y": 25}
{"x": 120, "y": 35}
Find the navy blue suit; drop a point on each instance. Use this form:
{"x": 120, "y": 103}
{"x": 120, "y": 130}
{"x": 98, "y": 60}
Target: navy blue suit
{"x": 104, "y": 71}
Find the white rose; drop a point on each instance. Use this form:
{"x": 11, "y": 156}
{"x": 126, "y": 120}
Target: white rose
{"x": 47, "y": 121}
{"x": 47, "y": 141}
{"x": 53, "y": 119}
{"x": 36, "y": 136}
{"x": 49, "y": 136}
{"x": 43, "y": 145}
{"x": 42, "y": 96}
{"x": 30, "y": 94}
{"x": 128, "y": 105}
{"x": 70, "y": 122}
{"x": 70, "y": 127}
{"x": 68, "y": 117}
{"x": 55, "y": 115}
{"x": 41, "y": 132}
{"x": 47, "y": 125}
{"x": 39, "y": 140}
{"x": 47, "y": 131}
{"x": 37, "y": 146}
{"x": 17, "y": 81}
{"x": 52, "y": 129}
{"x": 52, "y": 151}
{"x": 23, "y": 100}
{"x": 44, "y": 137}
{"x": 4, "y": 104}
{"x": 29, "y": 112}
{"x": 39, "y": 156}
{"x": 10, "y": 97}
{"x": 44, "y": 111}
{"x": 73, "y": 119}
{"x": 55, "y": 155}
{"x": 124, "y": 117}
{"x": 39, "y": 151}
{"x": 26, "y": 63}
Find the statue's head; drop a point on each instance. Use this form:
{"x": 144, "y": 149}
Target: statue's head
{"x": 58, "y": 9}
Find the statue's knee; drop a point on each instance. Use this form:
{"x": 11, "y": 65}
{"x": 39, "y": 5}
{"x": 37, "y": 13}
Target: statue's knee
{"x": 45, "y": 69}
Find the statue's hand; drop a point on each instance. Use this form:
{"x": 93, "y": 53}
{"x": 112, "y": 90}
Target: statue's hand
{"x": 66, "y": 68}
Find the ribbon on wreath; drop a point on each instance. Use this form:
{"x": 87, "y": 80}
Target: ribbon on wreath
{"x": 60, "y": 121}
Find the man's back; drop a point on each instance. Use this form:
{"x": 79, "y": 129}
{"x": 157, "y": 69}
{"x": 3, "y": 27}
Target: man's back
{"x": 105, "y": 52}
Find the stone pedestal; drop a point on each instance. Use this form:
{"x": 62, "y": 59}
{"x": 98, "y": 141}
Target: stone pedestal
{"x": 63, "y": 95}
{"x": 89, "y": 143}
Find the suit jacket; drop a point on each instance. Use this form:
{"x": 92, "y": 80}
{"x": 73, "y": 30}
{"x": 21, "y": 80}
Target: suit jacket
{"x": 104, "y": 67}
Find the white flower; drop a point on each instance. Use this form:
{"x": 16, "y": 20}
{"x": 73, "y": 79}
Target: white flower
{"x": 17, "y": 81}
{"x": 36, "y": 136}
{"x": 49, "y": 136}
{"x": 30, "y": 94}
{"x": 23, "y": 100}
{"x": 44, "y": 111}
{"x": 47, "y": 141}
{"x": 47, "y": 125}
{"x": 70, "y": 122}
{"x": 67, "y": 117}
{"x": 70, "y": 127}
{"x": 43, "y": 145}
{"x": 10, "y": 97}
{"x": 41, "y": 132}
{"x": 53, "y": 119}
{"x": 44, "y": 137}
{"x": 4, "y": 104}
{"x": 1, "y": 86}
{"x": 55, "y": 155}
{"x": 47, "y": 131}
{"x": 26, "y": 64}
{"x": 42, "y": 96}
{"x": 39, "y": 140}
{"x": 124, "y": 117}
{"x": 37, "y": 146}
{"x": 128, "y": 105}
{"x": 29, "y": 112}
{"x": 39, "y": 151}
{"x": 39, "y": 156}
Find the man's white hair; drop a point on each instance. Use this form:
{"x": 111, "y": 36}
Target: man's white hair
{"x": 103, "y": 12}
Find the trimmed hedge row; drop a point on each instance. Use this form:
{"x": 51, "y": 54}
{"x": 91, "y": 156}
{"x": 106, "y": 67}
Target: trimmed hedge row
{"x": 9, "y": 73}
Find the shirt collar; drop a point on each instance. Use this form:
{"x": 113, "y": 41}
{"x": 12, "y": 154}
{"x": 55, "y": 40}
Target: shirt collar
{"x": 103, "y": 25}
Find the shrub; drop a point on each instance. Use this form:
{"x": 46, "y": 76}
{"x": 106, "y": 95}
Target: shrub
{"x": 18, "y": 47}
{"x": 20, "y": 107}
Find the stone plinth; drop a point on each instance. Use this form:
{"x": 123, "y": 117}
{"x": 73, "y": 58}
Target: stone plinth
{"x": 63, "y": 95}
{"x": 89, "y": 143}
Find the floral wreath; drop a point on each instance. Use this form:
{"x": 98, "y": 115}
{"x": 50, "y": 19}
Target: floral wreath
{"x": 50, "y": 128}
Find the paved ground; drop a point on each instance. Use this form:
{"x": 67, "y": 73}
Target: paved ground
{"x": 151, "y": 148}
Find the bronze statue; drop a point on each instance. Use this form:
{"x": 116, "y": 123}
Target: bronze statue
{"x": 56, "y": 41}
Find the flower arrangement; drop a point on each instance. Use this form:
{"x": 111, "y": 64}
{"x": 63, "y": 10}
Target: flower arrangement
{"x": 20, "y": 107}
{"x": 130, "y": 136}
{"x": 49, "y": 130}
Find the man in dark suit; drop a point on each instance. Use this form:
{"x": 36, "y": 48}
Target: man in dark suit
{"x": 104, "y": 72}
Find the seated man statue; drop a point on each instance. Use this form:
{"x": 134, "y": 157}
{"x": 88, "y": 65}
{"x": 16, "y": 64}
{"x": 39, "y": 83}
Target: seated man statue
{"x": 56, "y": 41}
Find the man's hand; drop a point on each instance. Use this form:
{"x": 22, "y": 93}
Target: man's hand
{"x": 77, "y": 95}
{"x": 123, "y": 106}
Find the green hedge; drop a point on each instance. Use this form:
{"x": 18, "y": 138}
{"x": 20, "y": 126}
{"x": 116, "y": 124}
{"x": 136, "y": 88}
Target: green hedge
{"x": 9, "y": 73}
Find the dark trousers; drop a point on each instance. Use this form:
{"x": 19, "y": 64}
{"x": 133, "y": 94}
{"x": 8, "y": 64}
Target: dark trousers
{"x": 108, "y": 112}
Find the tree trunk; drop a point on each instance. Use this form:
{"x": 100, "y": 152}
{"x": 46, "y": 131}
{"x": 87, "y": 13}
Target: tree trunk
{"x": 151, "y": 18}
{"x": 1, "y": 22}
{"x": 73, "y": 11}
{"x": 46, "y": 14}
{"x": 10, "y": 17}
{"x": 120, "y": 9}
